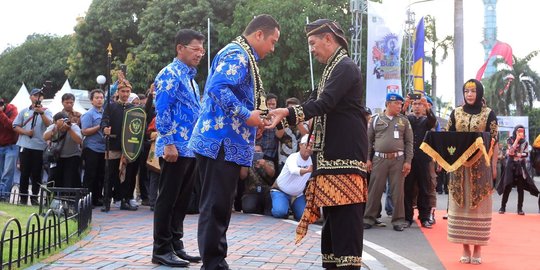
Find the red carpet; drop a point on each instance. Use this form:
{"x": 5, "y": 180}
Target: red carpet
{"x": 514, "y": 243}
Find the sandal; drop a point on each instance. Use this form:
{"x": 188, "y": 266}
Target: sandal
{"x": 465, "y": 259}
{"x": 476, "y": 260}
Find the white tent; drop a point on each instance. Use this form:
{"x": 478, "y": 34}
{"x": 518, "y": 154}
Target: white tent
{"x": 56, "y": 105}
{"x": 22, "y": 99}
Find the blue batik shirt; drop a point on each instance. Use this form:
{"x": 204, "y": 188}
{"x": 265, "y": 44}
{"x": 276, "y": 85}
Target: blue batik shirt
{"x": 177, "y": 107}
{"x": 227, "y": 103}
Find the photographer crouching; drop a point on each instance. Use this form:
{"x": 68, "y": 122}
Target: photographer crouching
{"x": 30, "y": 124}
{"x": 65, "y": 139}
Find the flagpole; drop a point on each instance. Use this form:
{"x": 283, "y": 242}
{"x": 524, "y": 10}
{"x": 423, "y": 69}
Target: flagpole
{"x": 208, "y": 50}
{"x": 310, "y": 62}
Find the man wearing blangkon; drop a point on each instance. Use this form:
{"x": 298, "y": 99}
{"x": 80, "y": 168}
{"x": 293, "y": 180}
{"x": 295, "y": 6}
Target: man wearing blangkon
{"x": 224, "y": 137}
{"x": 339, "y": 148}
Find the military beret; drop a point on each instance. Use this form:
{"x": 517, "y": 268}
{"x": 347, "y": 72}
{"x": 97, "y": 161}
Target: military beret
{"x": 429, "y": 100}
{"x": 394, "y": 97}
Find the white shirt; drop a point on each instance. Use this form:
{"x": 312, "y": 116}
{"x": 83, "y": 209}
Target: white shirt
{"x": 289, "y": 180}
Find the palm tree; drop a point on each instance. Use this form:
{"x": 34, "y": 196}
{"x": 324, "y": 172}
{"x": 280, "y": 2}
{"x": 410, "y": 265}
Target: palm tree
{"x": 458, "y": 51}
{"x": 518, "y": 86}
{"x": 436, "y": 44}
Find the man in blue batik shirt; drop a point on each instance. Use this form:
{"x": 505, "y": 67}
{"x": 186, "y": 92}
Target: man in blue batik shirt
{"x": 177, "y": 111}
{"x": 224, "y": 136}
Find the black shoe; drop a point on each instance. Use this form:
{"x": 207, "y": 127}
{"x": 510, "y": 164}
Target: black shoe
{"x": 124, "y": 205}
{"x": 502, "y": 210}
{"x": 379, "y": 223}
{"x": 367, "y": 226}
{"x": 426, "y": 224}
{"x": 169, "y": 259}
{"x": 432, "y": 218}
{"x": 398, "y": 228}
{"x": 146, "y": 202}
{"x": 520, "y": 212}
{"x": 181, "y": 253}
{"x": 408, "y": 224}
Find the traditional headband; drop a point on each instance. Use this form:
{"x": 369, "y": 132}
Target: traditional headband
{"x": 122, "y": 81}
{"x": 470, "y": 84}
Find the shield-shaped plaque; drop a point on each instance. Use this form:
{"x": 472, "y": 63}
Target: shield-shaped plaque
{"x": 133, "y": 127}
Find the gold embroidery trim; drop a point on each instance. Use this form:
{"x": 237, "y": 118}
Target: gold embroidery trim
{"x": 324, "y": 164}
{"x": 260, "y": 95}
{"x": 319, "y": 122}
{"x": 341, "y": 261}
{"x": 478, "y": 144}
{"x": 299, "y": 114}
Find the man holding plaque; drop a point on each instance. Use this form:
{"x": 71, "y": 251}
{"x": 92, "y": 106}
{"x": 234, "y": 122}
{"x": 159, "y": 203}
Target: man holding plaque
{"x": 224, "y": 137}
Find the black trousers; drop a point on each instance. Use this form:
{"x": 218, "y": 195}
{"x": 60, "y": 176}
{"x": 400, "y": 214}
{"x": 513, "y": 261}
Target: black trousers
{"x": 128, "y": 186}
{"x": 174, "y": 192}
{"x": 342, "y": 236}
{"x": 67, "y": 172}
{"x": 419, "y": 178}
{"x": 257, "y": 203}
{"x": 519, "y": 181}
{"x": 31, "y": 162}
{"x": 113, "y": 181}
{"x": 219, "y": 179}
{"x": 144, "y": 179}
{"x": 94, "y": 173}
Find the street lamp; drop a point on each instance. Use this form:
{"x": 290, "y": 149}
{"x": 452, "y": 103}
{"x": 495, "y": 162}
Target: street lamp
{"x": 101, "y": 81}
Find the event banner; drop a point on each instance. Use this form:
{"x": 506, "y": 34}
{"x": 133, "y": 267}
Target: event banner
{"x": 384, "y": 41}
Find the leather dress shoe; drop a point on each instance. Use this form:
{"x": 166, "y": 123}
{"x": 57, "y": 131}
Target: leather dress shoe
{"x": 426, "y": 224}
{"x": 181, "y": 253}
{"x": 398, "y": 228}
{"x": 367, "y": 226}
{"x": 124, "y": 205}
{"x": 169, "y": 259}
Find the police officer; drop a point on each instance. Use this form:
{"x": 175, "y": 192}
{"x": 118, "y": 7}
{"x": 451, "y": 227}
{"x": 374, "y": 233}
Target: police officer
{"x": 390, "y": 151}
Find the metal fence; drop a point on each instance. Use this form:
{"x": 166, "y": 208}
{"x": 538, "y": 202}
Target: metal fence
{"x": 58, "y": 206}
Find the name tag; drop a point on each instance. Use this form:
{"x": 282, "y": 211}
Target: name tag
{"x": 396, "y": 134}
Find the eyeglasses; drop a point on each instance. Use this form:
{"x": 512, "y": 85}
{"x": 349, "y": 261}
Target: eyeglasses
{"x": 200, "y": 50}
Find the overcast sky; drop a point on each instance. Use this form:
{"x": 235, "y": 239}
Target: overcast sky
{"x": 20, "y": 18}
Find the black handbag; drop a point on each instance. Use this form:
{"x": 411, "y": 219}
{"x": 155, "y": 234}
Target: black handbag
{"x": 51, "y": 154}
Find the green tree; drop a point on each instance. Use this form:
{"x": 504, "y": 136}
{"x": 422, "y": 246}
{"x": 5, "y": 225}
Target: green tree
{"x": 39, "y": 58}
{"x": 106, "y": 21}
{"x": 159, "y": 24}
{"x": 436, "y": 45}
{"x": 518, "y": 86}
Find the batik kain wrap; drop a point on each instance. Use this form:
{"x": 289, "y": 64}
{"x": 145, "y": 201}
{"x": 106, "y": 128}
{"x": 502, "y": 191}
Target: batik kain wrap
{"x": 330, "y": 190}
{"x": 260, "y": 95}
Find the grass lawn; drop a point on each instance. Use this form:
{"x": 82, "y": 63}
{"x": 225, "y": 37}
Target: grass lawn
{"x": 22, "y": 213}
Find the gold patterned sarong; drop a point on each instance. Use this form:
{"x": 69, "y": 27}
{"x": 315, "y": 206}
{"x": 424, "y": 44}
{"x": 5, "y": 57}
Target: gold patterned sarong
{"x": 330, "y": 190}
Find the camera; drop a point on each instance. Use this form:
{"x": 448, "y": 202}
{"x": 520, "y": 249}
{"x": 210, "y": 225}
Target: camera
{"x": 415, "y": 96}
{"x": 257, "y": 156}
{"x": 38, "y": 102}
{"x": 67, "y": 122}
